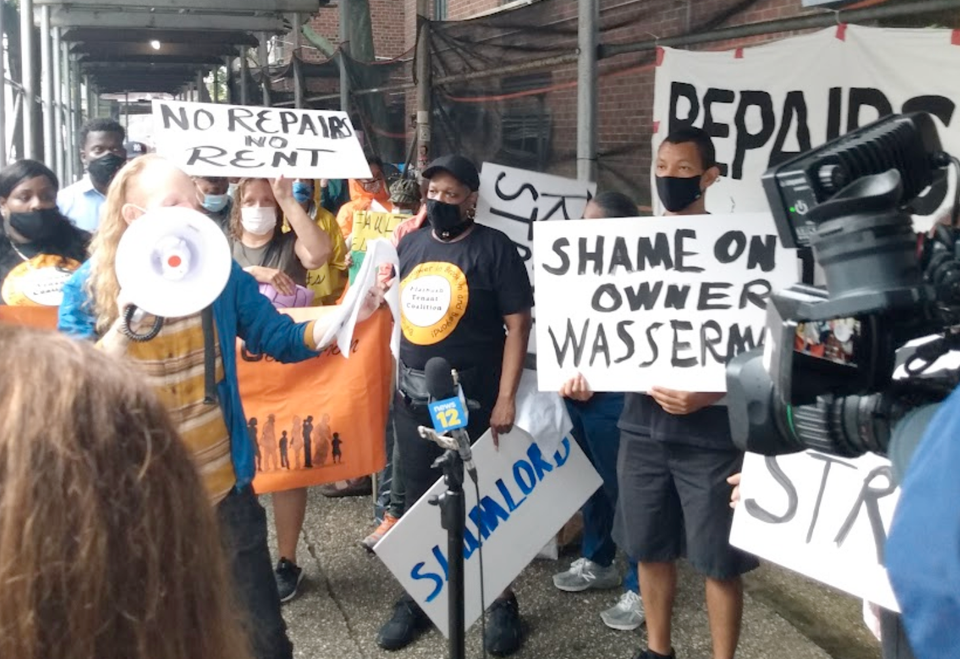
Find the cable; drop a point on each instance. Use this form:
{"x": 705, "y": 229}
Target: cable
{"x": 955, "y": 214}
{"x": 483, "y": 599}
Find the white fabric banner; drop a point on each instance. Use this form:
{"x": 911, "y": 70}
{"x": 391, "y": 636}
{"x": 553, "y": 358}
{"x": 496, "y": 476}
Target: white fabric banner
{"x": 767, "y": 103}
{"x": 210, "y": 139}
{"x": 642, "y": 302}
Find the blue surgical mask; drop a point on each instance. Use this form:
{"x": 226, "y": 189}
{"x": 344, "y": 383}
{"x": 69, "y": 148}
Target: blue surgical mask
{"x": 232, "y": 189}
{"x": 302, "y": 192}
{"x": 214, "y": 203}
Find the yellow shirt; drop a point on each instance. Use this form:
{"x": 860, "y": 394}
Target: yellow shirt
{"x": 328, "y": 281}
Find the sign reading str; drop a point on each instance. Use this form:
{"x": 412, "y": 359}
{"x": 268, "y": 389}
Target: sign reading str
{"x": 526, "y": 496}
{"x": 639, "y": 302}
{"x": 209, "y": 139}
{"x": 821, "y": 515}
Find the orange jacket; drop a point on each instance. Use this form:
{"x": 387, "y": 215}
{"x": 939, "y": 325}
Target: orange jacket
{"x": 360, "y": 200}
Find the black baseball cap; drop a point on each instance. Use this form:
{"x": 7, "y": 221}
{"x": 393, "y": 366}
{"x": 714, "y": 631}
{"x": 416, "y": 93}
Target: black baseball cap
{"x": 457, "y": 166}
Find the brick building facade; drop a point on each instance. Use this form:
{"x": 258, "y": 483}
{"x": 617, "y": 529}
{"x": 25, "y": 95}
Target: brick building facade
{"x": 626, "y": 82}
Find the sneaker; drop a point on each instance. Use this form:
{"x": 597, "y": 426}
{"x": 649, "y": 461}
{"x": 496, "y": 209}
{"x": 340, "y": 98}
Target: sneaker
{"x": 627, "y": 615}
{"x": 288, "y": 577}
{"x": 355, "y": 487}
{"x": 403, "y": 627}
{"x": 647, "y": 654}
{"x": 504, "y": 631}
{"x": 371, "y": 540}
{"x": 584, "y": 574}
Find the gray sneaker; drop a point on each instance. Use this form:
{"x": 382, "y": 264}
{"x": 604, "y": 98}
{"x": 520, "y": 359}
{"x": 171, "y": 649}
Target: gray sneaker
{"x": 584, "y": 574}
{"x": 627, "y": 615}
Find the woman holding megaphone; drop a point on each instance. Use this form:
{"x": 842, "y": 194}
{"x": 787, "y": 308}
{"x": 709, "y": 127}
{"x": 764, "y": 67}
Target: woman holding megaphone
{"x": 173, "y": 364}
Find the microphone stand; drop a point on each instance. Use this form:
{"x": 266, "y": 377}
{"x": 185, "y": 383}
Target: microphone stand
{"x": 453, "y": 514}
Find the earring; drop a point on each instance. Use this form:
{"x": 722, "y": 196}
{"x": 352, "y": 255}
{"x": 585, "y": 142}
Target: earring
{"x": 472, "y": 213}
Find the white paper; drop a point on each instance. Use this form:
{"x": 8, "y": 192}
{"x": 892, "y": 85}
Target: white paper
{"x": 543, "y": 414}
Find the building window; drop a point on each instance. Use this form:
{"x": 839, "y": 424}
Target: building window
{"x": 439, "y": 10}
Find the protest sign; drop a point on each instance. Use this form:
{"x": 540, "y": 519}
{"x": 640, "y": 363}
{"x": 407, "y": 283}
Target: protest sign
{"x": 211, "y": 139}
{"x": 512, "y": 199}
{"x": 321, "y": 420}
{"x": 635, "y": 303}
{"x": 841, "y": 78}
{"x": 526, "y": 496}
{"x": 370, "y": 225}
{"x": 820, "y": 515}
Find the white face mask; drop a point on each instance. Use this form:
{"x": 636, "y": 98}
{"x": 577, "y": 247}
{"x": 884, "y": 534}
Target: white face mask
{"x": 258, "y": 220}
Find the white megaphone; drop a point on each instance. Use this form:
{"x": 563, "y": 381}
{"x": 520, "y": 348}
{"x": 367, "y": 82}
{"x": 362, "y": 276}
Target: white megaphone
{"x": 171, "y": 263}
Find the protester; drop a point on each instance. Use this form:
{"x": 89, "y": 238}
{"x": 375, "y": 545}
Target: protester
{"x": 334, "y": 193}
{"x": 108, "y": 547}
{"x": 595, "y": 418}
{"x": 173, "y": 362}
{"x": 365, "y": 194}
{"x": 329, "y": 281}
{"x": 102, "y": 155}
{"x": 485, "y": 340}
{"x": 216, "y": 199}
{"x": 676, "y": 454}
{"x": 35, "y": 236}
{"x": 135, "y": 149}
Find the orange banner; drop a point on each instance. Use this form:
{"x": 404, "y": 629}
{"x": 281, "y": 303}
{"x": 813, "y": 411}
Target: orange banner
{"x": 322, "y": 420}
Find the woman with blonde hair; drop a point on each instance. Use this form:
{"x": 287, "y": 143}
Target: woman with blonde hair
{"x": 173, "y": 363}
{"x": 107, "y": 545}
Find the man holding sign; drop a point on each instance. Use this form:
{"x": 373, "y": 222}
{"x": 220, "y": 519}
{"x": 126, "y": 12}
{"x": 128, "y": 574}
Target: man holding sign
{"x": 676, "y": 453}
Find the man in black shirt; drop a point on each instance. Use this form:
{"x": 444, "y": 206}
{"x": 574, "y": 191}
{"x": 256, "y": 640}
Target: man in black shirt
{"x": 464, "y": 296}
{"x": 675, "y": 456}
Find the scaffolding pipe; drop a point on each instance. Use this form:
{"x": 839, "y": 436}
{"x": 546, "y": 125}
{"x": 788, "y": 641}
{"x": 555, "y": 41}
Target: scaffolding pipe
{"x": 77, "y": 112}
{"x": 46, "y": 86}
{"x": 26, "y": 79}
{"x": 70, "y": 141}
{"x": 56, "y": 62}
{"x": 344, "y": 37}
{"x": 295, "y": 60}
{"x": 424, "y": 95}
{"x": 262, "y": 60}
{"x": 3, "y": 97}
{"x": 244, "y": 77}
{"x": 588, "y": 37}
{"x": 786, "y": 25}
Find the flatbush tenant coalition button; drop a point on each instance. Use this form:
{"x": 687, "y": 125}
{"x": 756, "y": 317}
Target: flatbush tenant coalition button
{"x": 433, "y": 299}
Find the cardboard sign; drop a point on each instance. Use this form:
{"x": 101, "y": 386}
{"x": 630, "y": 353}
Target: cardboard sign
{"x": 512, "y": 200}
{"x": 841, "y": 78}
{"x": 642, "y": 302}
{"x": 526, "y": 497}
{"x": 823, "y": 516}
{"x": 211, "y": 139}
{"x": 322, "y": 420}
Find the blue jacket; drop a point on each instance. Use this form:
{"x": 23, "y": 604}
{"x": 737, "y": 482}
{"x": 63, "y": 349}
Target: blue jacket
{"x": 923, "y": 551}
{"x": 240, "y": 311}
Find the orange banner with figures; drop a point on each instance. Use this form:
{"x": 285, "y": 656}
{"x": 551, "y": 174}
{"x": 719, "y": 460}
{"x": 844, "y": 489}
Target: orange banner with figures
{"x": 322, "y": 420}
{"x": 41, "y": 317}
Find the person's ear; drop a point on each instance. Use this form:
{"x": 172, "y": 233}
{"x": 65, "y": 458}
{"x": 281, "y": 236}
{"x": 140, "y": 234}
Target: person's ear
{"x": 3, "y": 206}
{"x": 129, "y": 213}
{"x": 709, "y": 177}
{"x": 472, "y": 199}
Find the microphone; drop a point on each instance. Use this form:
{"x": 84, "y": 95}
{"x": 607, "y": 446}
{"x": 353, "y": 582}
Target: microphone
{"x": 448, "y": 409}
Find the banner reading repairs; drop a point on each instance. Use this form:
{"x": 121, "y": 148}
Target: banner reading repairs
{"x": 633, "y": 303}
{"x": 840, "y": 79}
{"x": 512, "y": 200}
{"x": 821, "y": 515}
{"x": 526, "y": 496}
{"x": 210, "y": 139}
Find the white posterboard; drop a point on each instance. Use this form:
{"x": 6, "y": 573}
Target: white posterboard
{"x": 512, "y": 199}
{"x": 210, "y": 139}
{"x": 823, "y": 516}
{"x": 646, "y": 302}
{"x": 527, "y": 495}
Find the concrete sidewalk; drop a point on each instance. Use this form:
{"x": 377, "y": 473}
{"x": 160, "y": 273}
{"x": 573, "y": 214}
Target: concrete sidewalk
{"x": 347, "y": 594}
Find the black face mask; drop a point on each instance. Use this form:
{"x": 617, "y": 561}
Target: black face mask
{"x": 446, "y": 220}
{"x": 103, "y": 169}
{"x": 36, "y": 226}
{"x": 678, "y": 193}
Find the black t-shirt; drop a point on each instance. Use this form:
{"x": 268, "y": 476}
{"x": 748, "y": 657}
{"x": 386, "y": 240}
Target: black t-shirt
{"x": 706, "y": 428}
{"x": 63, "y": 253}
{"x": 453, "y": 297}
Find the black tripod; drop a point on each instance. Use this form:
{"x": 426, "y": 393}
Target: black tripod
{"x": 453, "y": 520}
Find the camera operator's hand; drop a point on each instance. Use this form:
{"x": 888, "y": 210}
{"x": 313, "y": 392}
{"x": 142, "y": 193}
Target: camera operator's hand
{"x": 679, "y": 403}
{"x": 576, "y": 388}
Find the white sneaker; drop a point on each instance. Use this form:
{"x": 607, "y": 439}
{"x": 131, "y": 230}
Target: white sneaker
{"x": 627, "y": 615}
{"x": 584, "y": 574}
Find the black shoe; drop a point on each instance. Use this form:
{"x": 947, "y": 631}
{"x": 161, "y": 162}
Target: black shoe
{"x": 504, "y": 631}
{"x": 403, "y": 627}
{"x": 649, "y": 654}
{"x": 288, "y": 577}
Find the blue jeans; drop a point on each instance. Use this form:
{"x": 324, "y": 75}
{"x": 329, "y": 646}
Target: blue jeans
{"x": 595, "y": 429}
{"x": 243, "y": 529}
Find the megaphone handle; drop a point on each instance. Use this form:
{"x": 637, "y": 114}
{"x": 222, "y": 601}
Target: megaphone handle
{"x": 133, "y": 336}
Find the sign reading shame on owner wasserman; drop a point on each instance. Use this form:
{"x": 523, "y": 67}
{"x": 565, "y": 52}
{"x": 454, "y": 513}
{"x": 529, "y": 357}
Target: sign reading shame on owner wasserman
{"x": 634, "y": 303}
{"x": 209, "y": 139}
